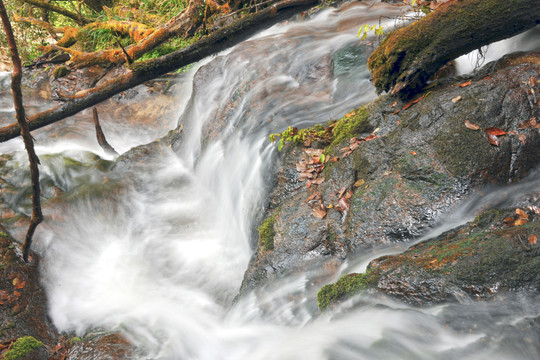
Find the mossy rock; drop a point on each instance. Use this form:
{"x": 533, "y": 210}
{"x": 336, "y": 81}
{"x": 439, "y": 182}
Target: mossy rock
{"x": 22, "y": 347}
{"x": 267, "y": 233}
{"x": 344, "y": 288}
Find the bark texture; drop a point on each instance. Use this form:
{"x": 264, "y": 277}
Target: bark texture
{"x": 409, "y": 56}
{"x": 16, "y": 76}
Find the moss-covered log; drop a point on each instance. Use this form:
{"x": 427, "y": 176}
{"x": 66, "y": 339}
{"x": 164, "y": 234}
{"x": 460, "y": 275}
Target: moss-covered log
{"x": 143, "y": 71}
{"x": 409, "y": 56}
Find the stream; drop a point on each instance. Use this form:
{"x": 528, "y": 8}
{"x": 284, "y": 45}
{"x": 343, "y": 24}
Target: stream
{"x": 157, "y": 248}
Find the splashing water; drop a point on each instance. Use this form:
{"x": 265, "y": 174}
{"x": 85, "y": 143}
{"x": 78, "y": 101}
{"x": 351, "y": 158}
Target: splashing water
{"x": 157, "y": 247}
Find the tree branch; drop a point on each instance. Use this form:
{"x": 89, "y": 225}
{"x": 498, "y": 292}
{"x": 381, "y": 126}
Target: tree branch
{"x": 80, "y": 20}
{"x": 146, "y": 70}
{"x": 409, "y": 56}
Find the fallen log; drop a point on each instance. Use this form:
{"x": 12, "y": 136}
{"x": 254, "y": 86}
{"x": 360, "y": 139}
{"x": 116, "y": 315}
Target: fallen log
{"x": 217, "y": 41}
{"x": 409, "y": 56}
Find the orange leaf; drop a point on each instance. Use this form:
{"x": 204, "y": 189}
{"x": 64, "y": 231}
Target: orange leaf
{"x": 311, "y": 197}
{"x": 335, "y": 159}
{"x": 413, "y": 102}
{"x": 522, "y": 214}
{"x": 495, "y": 131}
{"x": 509, "y": 221}
{"x": 413, "y": 152}
{"x": 532, "y": 81}
{"x": 533, "y": 239}
{"x": 308, "y": 184}
{"x": 520, "y": 222}
{"x": 471, "y": 126}
{"x": 465, "y": 84}
{"x": 456, "y": 99}
{"x": 371, "y": 137}
{"x": 16, "y": 293}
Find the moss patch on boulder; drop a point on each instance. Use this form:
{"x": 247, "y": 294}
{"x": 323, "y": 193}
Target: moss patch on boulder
{"x": 345, "y": 287}
{"x": 22, "y": 347}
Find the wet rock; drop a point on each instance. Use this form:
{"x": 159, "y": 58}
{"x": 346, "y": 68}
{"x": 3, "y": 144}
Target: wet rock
{"x": 423, "y": 160}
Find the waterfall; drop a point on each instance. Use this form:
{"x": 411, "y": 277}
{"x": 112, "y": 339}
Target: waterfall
{"x": 157, "y": 247}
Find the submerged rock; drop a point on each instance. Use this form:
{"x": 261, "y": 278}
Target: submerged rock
{"x": 420, "y": 159}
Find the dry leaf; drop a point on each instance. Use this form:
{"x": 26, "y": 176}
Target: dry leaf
{"x": 341, "y": 192}
{"x": 4, "y": 295}
{"x": 509, "y": 221}
{"x": 522, "y": 138}
{"x": 319, "y": 211}
{"x": 305, "y": 176}
{"x": 465, "y": 84}
{"x": 532, "y": 81}
{"x": 344, "y": 155}
{"x": 533, "y": 239}
{"x": 301, "y": 166}
{"x": 495, "y": 131}
{"x": 308, "y": 184}
{"x": 512, "y": 132}
{"x": 520, "y": 222}
{"x": 371, "y": 137}
{"x": 17, "y": 294}
{"x": 456, "y": 99}
{"x": 522, "y": 214}
{"x": 335, "y": 159}
{"x": 413, "y": 102}
{"x": 343, "y": 204}
{"x": 317, "y": 181}
{"x": 354, "y": 146}
{"x": 345, "y": 149}
{"x": 471, "y": 126}
{"x": 359, "y": 183}
{"x": 311, "y": 197}
{"x": 394, "y": 104}
{"x": 348, "y": 195}
{"x": 493, "y": 140}
{"x": 413, "y": 152}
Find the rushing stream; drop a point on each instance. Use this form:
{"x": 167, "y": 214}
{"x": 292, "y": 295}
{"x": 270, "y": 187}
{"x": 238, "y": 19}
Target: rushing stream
{"x": 157, "y": 248}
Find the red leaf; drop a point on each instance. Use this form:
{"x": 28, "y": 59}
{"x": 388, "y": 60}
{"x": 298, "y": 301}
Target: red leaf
{"x": 413, "y": 152}
{"x": 371, "y": 137}
{"x": 465, "y": 84}
{"x": 495, "y": 131}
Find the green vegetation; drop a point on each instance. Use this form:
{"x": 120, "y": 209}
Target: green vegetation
{"x": 60, "y": 71}
{"x": 74, "y": 340}
{"x": 345, "y": 287}
{"x": 23, "y": 346}
{"x": 267, "y": 233}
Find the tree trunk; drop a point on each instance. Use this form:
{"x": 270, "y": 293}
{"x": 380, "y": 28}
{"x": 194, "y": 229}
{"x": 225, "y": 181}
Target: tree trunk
{"x": 409, "y": 56}
{"x": 16, "y": 75}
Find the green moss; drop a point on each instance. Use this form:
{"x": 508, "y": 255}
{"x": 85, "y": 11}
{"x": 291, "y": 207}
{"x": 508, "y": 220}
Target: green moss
{"x": 23, "y": 346}
{"x": 74, "y": 340}
{"x": 348, "y": 127}
{"x": 60, "y": 71}
{"x": 345, "y": 287}
{"x": 267, "y": 233}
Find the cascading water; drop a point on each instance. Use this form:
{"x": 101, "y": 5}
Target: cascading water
{"x": 157, "y": 248}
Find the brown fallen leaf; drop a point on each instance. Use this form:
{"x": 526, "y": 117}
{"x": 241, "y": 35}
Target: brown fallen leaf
{"x": 520, "y": 222}
{"x": 20, "y": 285}
{"x": 345, "y": 154}
{"x": 532, "y": 81}
{"x": 345, "y": 149}
{"x": 371, "y": 137}
{"x": 319, "y": 211}
{"x": 4, "y": 295}
{"x": 343, "y": 204}
{"x": 308, "y": 184}
{"x": 348, "y": 195}
{"x": 471, "y": 126}
{"x": 354, "y": 146}
{"x": 522, "y": 214}
{"x": 495, "y": 131}
{"x": 522, "y": 138}
{"x": 341, "y": 192}
{"x": 335, "y": 159}
{"x": 305, "y": 176}
{"x": 533, "y": 239}
{"x": 318, "y": 181}
{"x": 493, "y": 140}
{"x": 456, "y": 99}
{"x": 413, "y": 102}
{"x": 17, "y": 294}
{"x": 512, "y": 132}
{"x": 413, "y": 152}
{"x": 301, "y": 166}
{"x": 465, "y": 83}
{"x": 509, "y": 221}
{"x": 359, "y": 183}
{"x": 311, "y": 197}
{"x": 393, "y": 104}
